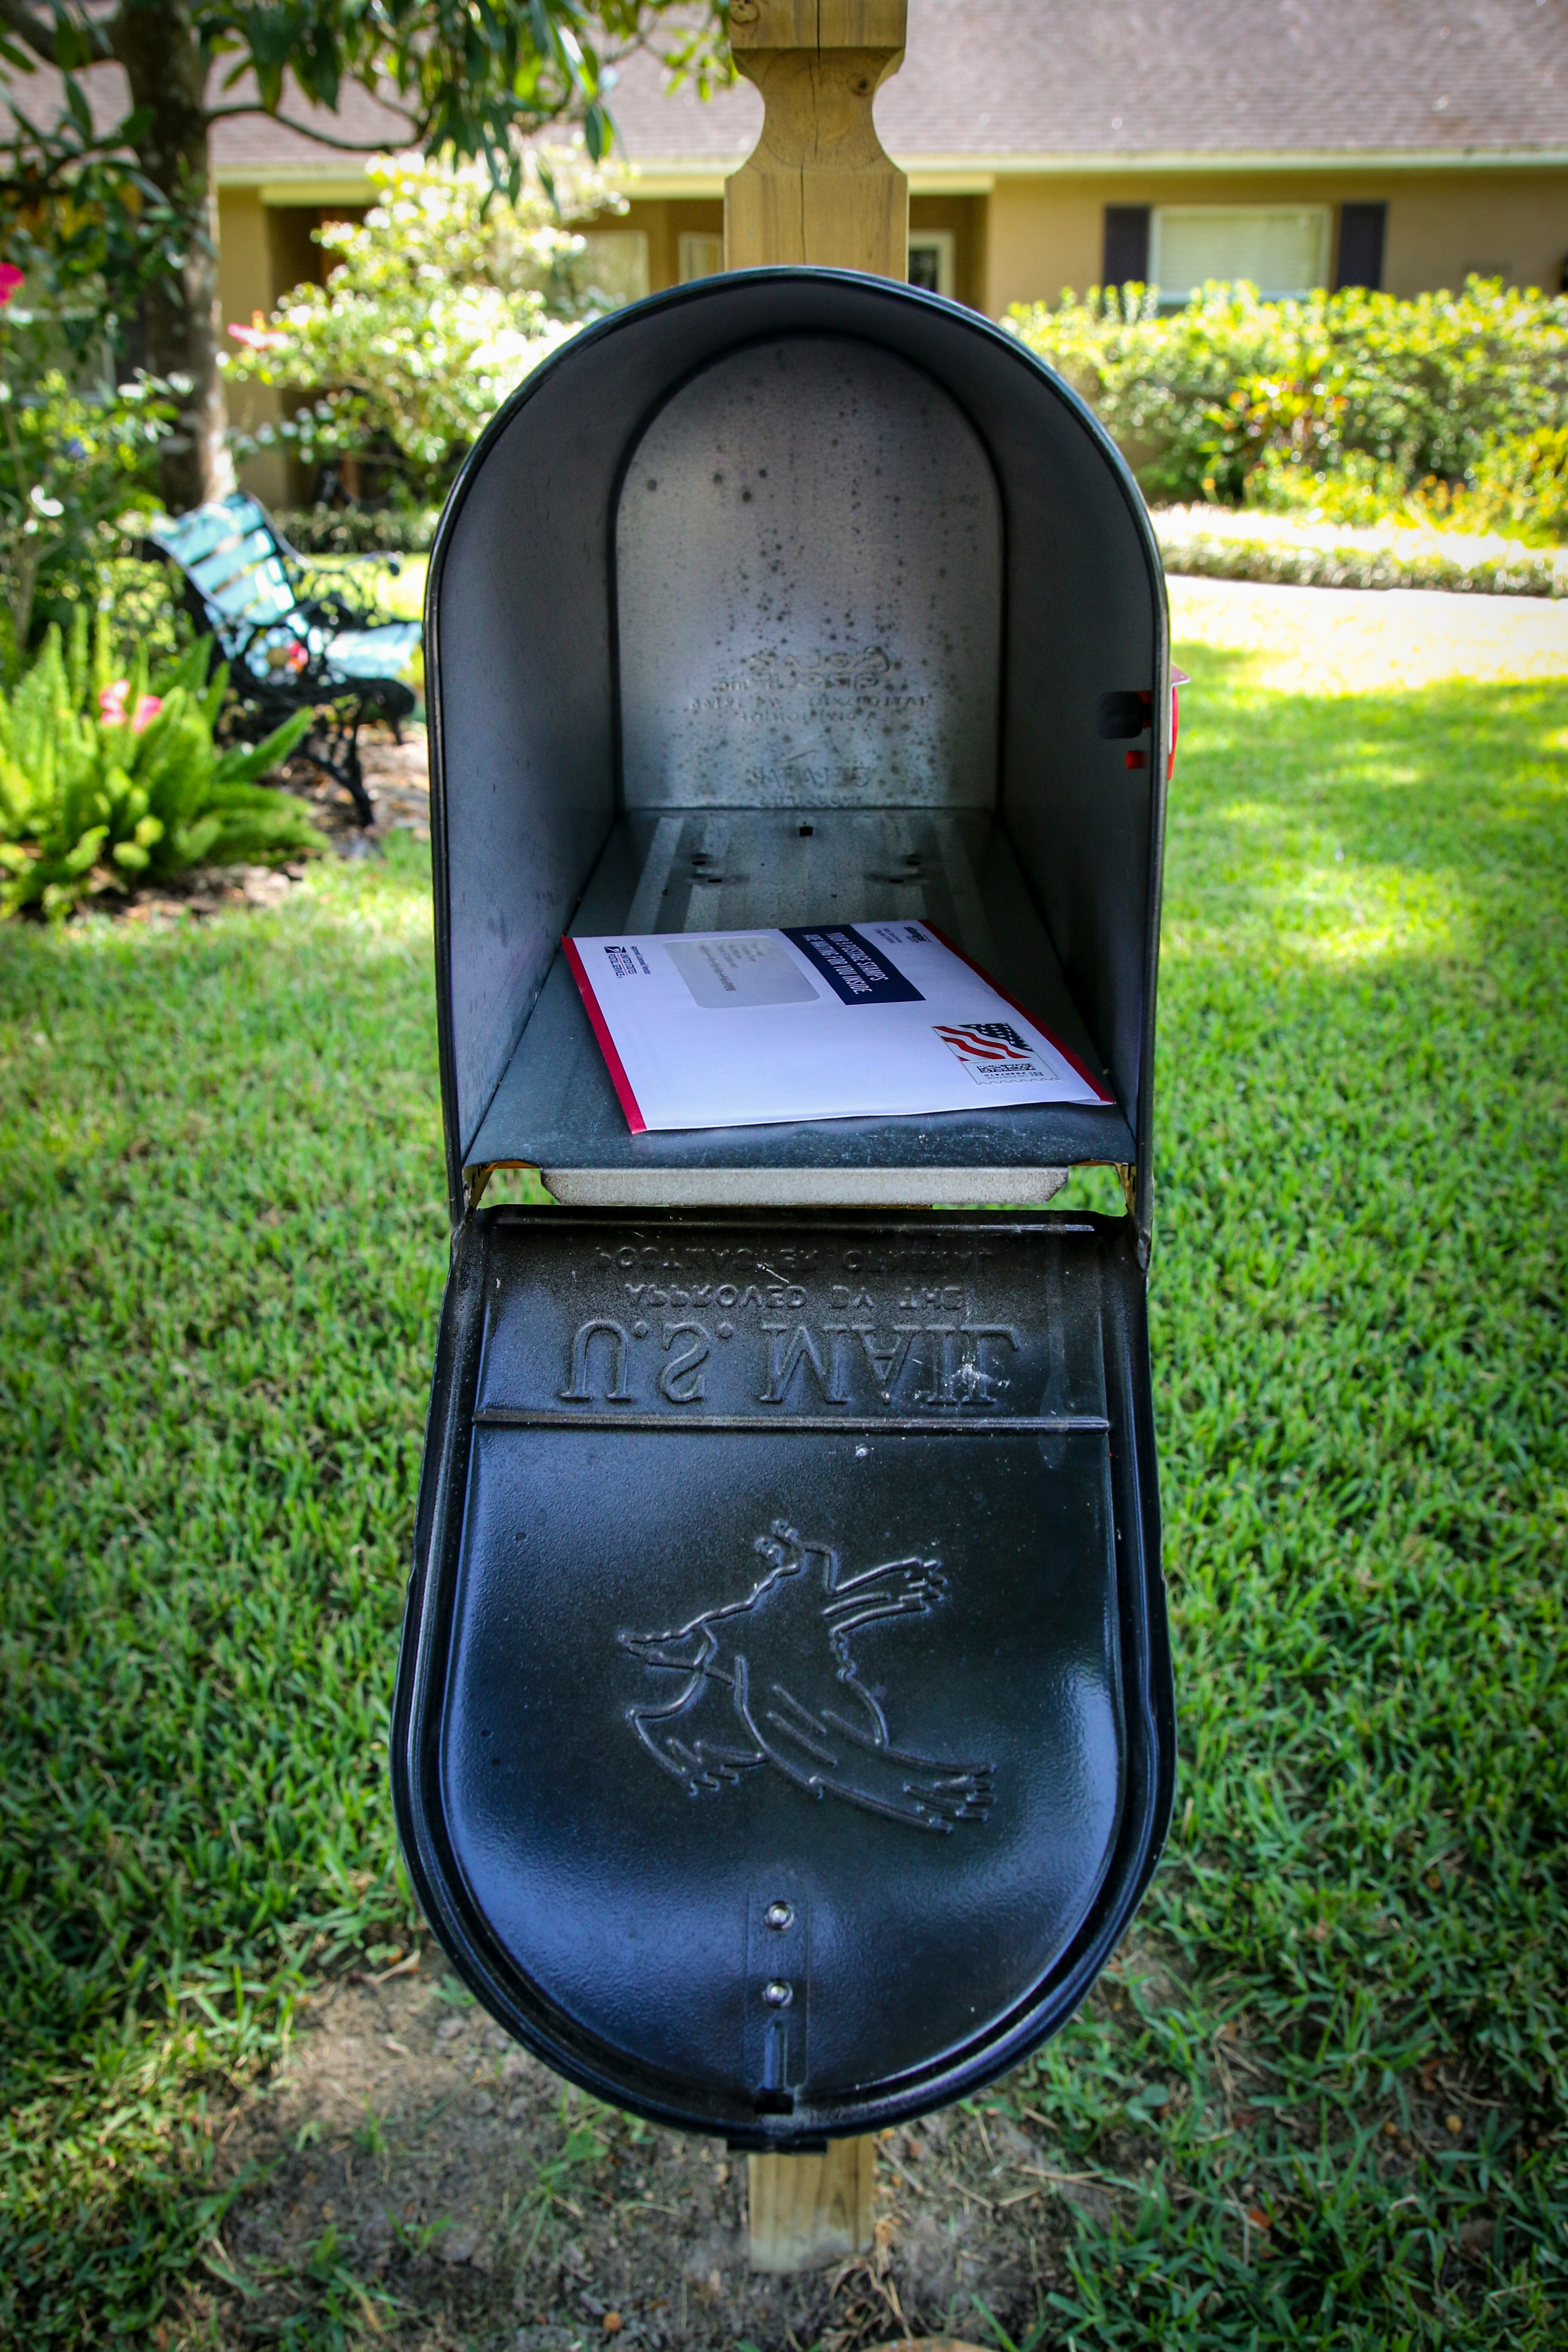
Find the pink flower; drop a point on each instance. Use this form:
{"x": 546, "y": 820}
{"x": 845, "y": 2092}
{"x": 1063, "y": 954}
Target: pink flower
{"x": 112, "y": 707}
{"x": 258, "y": 336}
{"x": 10, "y": 278}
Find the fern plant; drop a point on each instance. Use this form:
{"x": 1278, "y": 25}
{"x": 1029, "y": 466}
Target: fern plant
{"x": 106, "y": 781}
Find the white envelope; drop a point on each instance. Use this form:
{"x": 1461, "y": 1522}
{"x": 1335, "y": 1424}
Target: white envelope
{"x": 880, "y": 1020}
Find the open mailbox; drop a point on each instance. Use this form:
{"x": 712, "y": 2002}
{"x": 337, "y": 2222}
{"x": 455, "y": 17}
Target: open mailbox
{"x": 783, "y": 1732}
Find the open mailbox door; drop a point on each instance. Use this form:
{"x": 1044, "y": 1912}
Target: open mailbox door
{"x": 783, "y": 1732}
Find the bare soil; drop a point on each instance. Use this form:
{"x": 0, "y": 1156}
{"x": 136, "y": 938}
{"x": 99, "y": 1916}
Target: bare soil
{"x": 414, "y": 2170}
{"x": 397, "y": 778}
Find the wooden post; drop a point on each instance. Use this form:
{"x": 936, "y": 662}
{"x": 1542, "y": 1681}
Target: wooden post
{"x": 820, "y": 187}
{"x": 806, "y": 2211}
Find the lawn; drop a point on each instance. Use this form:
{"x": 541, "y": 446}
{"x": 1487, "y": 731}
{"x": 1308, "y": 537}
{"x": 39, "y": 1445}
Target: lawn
{"x": 1324, "y": 2092}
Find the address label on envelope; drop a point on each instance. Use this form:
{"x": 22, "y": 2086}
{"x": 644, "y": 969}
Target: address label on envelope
{"x": 822, "y": 1021}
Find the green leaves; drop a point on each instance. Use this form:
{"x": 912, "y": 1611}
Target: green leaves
{"x": 69, "y": 469}
{"x": 102, "y": 783}
{"x": 1211, "y": 397}
{"x": 472, "y": 76}
{"x": 437, "y": 305}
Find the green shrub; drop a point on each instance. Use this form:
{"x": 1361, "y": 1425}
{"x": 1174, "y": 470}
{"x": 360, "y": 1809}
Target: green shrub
{"x": 1359, "y": 490}
{"x": 105, "y": 783}
{"x": 1232, "y": 394}
{"x": 1518, "y": 489}
{"x": 69, "y": 469}
{"x": 435, "y": 307}
{"x": 360, "y": 530}
{"x": 1521, "y": 484}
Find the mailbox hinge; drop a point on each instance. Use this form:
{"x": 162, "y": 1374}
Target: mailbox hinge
{"x": 1127, "y": 1177}
{"x": 474, "y": 1182}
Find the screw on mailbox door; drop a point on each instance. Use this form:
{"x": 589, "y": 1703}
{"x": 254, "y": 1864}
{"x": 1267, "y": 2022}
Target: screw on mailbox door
{"x": 779, "y": 1915}
{"x": 777, "y": 1994}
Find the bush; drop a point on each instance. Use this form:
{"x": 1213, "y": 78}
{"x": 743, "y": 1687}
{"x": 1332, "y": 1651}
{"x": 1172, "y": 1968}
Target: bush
{"x": 360, "y": 530}
{"x": 70, "y": 466}
{"x": 105, "y": 781}
{"x": 1233, "y": 395}
{"x": 441, "y": 301}
{"x": 1221, "y": 543}
{"x": 1521, "y": 484}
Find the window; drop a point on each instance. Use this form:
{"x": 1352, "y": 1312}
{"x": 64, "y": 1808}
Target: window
{"x": 1362, "y": 231}
{"x": 617, "y": 262}
{"x": 700, "y": 256}
{"x": 1282, "y": 248}
{"x": 1126, "y": 261}
{"x": 931, "y": 260}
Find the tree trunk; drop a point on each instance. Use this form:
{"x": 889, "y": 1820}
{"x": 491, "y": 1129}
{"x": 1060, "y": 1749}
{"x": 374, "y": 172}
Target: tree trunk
{"x": 160, "y": 53}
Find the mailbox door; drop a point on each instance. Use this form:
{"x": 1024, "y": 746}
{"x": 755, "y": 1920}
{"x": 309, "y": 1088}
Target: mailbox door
{"x": 783, "y": 1732}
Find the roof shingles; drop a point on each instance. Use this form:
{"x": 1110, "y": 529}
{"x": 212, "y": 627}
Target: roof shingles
{"x": 1065, "y": 77}
{"x": 1006, "y": 79}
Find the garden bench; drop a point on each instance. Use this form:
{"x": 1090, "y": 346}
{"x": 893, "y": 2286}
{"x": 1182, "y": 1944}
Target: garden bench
{"x": 293, "y": 637}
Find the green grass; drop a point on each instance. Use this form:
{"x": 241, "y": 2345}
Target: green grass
{"x": 225, "y": 1251}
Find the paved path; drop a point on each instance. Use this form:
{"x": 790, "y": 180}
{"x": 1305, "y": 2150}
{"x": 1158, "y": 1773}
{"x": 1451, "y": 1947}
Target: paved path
{"x": 1359, "y": 640}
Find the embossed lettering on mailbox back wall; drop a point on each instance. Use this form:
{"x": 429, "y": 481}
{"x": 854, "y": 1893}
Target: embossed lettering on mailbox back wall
{"x": 808, "y": 555}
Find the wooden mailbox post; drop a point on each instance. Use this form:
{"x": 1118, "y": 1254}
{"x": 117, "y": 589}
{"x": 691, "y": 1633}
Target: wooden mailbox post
{"x": 821, "y": 189}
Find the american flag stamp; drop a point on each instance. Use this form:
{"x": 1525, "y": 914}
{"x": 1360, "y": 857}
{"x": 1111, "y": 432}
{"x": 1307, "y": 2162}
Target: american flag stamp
{"x": 993, "y": 1052}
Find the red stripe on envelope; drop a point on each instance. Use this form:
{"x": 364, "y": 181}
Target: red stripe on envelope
{"x": 612, "y": 1062}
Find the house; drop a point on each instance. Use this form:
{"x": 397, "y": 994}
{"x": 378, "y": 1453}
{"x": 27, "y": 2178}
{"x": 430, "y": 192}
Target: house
{"x": 1400, "y": 144}
{"x": 1053, "y": 143}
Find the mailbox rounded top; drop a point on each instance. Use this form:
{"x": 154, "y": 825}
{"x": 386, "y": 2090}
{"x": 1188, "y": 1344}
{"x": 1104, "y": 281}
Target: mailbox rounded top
{"x": 679, "y": 330}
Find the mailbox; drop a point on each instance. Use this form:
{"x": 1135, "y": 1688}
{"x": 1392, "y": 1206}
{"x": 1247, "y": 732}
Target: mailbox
{"x": 783, "y": 1730}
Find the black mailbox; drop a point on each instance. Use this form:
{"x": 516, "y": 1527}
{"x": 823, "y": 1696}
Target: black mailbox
{"x": 784, "y": 1731}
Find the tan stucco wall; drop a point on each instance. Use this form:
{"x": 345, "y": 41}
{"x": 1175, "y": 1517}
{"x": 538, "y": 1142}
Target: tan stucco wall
{"x": 964, "y": 219}
{"x": 1511, "y": 225}
{"x": 662, "y": 220}
{"x": 1024, "y": 243}
{"x": 1047, "y": 233}
{"x": 244, "y": 284}
{"x": 263, "y": 251}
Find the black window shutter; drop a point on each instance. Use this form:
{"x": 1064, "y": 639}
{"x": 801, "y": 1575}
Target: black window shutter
{"x": 1362, "y": 229}
{"x": 1126, "y": 244}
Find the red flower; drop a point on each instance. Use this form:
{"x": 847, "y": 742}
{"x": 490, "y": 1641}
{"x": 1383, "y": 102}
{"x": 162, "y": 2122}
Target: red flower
{"x": 112, "y": 707}
{"x": 10, "y": 278}
{"x": 258, "y": 336}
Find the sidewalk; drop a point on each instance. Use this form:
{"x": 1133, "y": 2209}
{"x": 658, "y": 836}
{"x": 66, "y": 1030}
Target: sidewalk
{"x": 1364, "y": 640}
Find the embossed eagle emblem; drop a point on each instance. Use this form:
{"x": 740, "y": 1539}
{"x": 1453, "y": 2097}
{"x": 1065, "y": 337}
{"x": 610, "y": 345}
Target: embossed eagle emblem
{"x": 770, "y": 1680}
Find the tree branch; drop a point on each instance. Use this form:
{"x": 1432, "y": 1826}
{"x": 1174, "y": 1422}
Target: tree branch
{"x": 322, "y": 138}
{"x": 34, "y": 31}
{"x": 39, "y": 32}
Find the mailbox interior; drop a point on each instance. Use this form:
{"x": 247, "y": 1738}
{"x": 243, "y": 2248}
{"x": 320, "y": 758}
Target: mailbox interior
{"x": 788, "y": 595}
